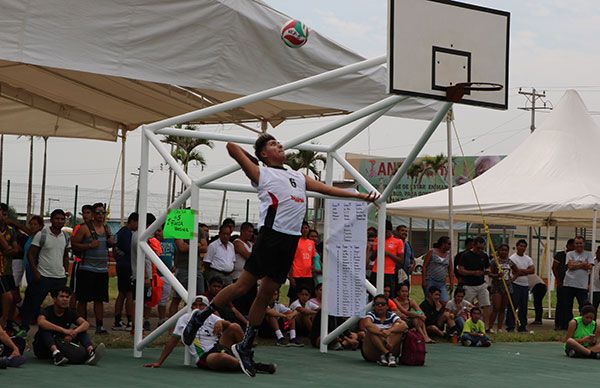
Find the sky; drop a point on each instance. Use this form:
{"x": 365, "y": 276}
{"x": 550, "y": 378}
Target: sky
{"x": 553, "y": 47}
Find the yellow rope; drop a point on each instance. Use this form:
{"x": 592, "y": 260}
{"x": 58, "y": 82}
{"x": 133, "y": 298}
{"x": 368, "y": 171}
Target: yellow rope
{"x": 487, "y": 230}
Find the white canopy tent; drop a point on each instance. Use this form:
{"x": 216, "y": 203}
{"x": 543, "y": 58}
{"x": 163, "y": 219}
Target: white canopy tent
{"x": 550, "y": 179}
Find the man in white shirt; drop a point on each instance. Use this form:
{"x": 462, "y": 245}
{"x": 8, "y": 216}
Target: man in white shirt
{"x": 220, "y": 257}
{"x": 211, "y": 348}
{"x": 579, "y": 264}
{"x": 521, "y": 266}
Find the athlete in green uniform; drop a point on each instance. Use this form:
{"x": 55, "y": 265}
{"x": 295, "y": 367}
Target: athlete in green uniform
{"x": 582, "y": 335}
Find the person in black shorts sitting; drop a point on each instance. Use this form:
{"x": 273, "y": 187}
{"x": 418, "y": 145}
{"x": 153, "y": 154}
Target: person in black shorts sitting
{"x": 62, "y": 334}
{"x": 282, "y": 195}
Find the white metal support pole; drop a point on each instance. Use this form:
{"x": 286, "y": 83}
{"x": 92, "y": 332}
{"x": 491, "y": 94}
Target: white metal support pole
{"x": 140, "y": 265}
{"x": 193, "y": 258}
{"x": 548, "y": 260}
{"x": 593, "y": 281}
{"x": 410, "y": 158}
{"x": 450, "y": 177}
{"x": 123, "y": 139}
{"x": 326, "y": 269}
{"x": 381, "y": 214}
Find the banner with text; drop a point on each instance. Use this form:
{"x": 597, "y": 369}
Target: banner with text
{"x": 345, "y": 255}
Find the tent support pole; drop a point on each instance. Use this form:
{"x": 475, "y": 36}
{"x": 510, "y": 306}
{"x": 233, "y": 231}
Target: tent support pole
{"x": 594, "y": 230}
{"x": 140, "y": 264}
{"x": 193, "y": 259}
{"x": 450, "y": 176}
{"x": 325, "y": 269}
{"x": 548, "y": 260}
{"x": 123, "y": 139}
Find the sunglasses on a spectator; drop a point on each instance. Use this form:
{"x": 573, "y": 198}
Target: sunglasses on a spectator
{"x": 380, "y": 304}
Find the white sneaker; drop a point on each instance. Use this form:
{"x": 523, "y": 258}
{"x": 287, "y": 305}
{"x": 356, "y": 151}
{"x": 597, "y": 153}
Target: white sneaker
{"x": 382, "y": 360}
{"x": 391, "y": 360}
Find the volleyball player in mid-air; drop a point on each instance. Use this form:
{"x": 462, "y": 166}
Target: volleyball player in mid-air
{"x": 282, "y": 195}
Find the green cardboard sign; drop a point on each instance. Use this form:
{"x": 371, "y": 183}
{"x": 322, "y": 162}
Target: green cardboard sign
{"x": 179, "y": 224}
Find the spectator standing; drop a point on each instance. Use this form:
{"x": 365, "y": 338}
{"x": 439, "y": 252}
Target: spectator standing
{"x": 62, "y": 334}
{"x": 596, "y": 277}
{"x": 167, "y": 256}
{"x": 220, "y": 256}
{"x": 575, "y": 285}
{"x": 538, "y": 290}
{"x": 48, "y": 258}
{"x": 522, "y": 266}
{"x": 437, "y": 266}
{"x": 301, "y": 273}
{"x": 467, "y": 248}
{"x": 123, "y": 265}
{"x": 94, "y": 239}
{"x": 559, "y": 268}
{"x": 87, "y": 213}
{"x": 408, "y": 265}
{"x": 318, "y": 259}
{"x": 501, "y": 274}
{"x": 36, "y": 223}
{"x": 8, "y": 249}
{"x": 243, "y": 250}
{"x": 394, "y": 254}
{"x": 473, "y": 267}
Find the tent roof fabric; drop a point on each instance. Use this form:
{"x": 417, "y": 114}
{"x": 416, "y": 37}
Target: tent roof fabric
{"x": 549, "y": 179}
{"x": 109, "y": 64}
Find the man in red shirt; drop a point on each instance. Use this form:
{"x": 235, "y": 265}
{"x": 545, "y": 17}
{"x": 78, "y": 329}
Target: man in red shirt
{"x": 302, "y": 267}
{"x": 394, "y": 254}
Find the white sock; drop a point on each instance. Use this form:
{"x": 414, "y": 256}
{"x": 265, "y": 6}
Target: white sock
{"x": 292, "y": 333}
{"x": 279, "y": 334}
{"x": 54, "y": 353}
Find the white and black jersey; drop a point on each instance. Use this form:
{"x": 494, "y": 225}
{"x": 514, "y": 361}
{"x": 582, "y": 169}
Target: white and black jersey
{"x": 282, "y": 195}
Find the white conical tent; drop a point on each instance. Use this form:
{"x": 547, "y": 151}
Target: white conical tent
{"x": 550, "y": 179}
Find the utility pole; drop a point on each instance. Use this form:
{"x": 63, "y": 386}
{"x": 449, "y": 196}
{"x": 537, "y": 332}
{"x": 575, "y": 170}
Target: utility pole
{"x": 532, "y": 97}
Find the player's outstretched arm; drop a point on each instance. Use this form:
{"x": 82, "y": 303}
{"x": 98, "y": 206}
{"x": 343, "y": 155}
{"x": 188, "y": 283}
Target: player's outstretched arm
{"x": 320, "y": 187}
{"x": 247, "y": 162}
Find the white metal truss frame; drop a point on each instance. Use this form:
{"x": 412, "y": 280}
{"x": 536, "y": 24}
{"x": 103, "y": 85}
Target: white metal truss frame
{"x": 150, "y": 136}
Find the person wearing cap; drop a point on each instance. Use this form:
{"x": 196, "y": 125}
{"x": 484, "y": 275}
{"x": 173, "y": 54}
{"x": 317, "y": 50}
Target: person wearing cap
{"x": 49, "y": 260}
{"x": 211, "y": 349}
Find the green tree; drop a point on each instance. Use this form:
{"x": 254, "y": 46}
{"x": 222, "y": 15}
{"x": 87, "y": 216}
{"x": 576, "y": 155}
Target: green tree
{"x": 433, "y": 165}
{"x": 307, "y": 160}
{"x": 186, "y": 151}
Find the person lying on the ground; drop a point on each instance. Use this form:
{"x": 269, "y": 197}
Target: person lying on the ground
{"x": 383, "y": 333}
{"x": 279, "y": 316}
{"x": 474, "y": 331}
{"x": 306, "y": 310}
{"x": 62, "y": 334}
{"x": 582, "y": 335}
{"x": 211, "y": 348}
{"x": 10, "y": 354}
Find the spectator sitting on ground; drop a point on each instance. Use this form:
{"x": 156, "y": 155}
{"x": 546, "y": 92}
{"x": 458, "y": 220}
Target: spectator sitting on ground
{"x": 411, "y": 313}
{"x": 582, "y": 335}
{"x": 212, "y": 347}
{"x": 57, "y": 339}
{"x": 438, "y": 319}
{"x": 383, "y": 333}
{"x": 347, "y": 340}
{"x": 318, "y": 295}
{"x": 460, "y": 308}
{"x": 387, "y": 292}
{"x": 10, "y": 353}
{"x": 215, "y": 285}
{"x": 277, "y": 316}
{"x": 473, "y": 333}
{"x": 306, "y": 311}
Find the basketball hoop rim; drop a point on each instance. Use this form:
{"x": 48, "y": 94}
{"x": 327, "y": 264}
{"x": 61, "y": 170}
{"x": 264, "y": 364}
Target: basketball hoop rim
{"x": 478, "y": 86}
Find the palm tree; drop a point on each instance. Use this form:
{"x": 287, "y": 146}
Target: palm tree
{"x": 413, "y": 172}
{"x": 303, "y": 159}
{"x": 433, "y": 165}
{"x": 185, "y": 149}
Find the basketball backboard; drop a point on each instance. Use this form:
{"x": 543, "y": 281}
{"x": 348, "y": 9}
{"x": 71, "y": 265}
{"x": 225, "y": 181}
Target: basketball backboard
{"x": 435, "y": 44}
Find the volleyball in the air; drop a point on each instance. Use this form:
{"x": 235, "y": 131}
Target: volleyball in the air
{"x": 294, "y": 33}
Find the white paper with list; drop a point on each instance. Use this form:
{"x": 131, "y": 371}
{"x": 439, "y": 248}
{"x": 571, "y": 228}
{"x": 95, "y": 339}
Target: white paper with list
{"x": 345, "y": 255}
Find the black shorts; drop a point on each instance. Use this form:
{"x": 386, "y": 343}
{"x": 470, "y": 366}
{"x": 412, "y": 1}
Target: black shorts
{"x": 7, "y": 284}
{"x": 92, "y": 286}
{"x": 73, "y": 278}
{"x": 218, "y": 348}
{"x": 272, "y": 255}
{"x": 124, "y": 279}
